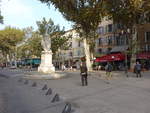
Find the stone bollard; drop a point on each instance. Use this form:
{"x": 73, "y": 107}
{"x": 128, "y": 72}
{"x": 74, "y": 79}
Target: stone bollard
{"x": 67, "y": 108}
{"x": 45, "y": 87}
{"x": 34, "y": 84}
{"x": 26, "y": 82}
{"x": 56, "y": 98}
{"x": 49, "y": 91}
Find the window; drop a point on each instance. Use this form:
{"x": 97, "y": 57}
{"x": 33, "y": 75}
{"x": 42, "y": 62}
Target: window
{"x": 79, "y": 44}
{"x": 79, "y": 53}
{"x": 109, "y": 50}
{"x": 99, "y": 41}
{"x": 106, "y": 29}
{"x": 109, "y": 40}
{"x": 115, "y": 27}
{"x": 127, "y": 40}
{"x": 101, "y": 30}
{"x": 148, "y": 19}
{"x": 119, "y": 26}
{"x": 110, "y": 28}
{"x": 70, "y": 54}
{"x": 99, "y": 50}
{"x": 147, "y": 37}
{"x": 147, "y": 48}
{"x": 121, "y": 40}
{"x": 117, "y": 40}
{"x": 104, "y": 41}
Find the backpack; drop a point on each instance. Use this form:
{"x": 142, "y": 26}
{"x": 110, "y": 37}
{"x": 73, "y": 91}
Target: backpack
{"x": 138, "y": 67}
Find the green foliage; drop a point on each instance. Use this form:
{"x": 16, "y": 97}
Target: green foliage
{"x": 85, "y": 13}
{"x": 54, "y": 32}
{"x": 48, "y": 26}
{"x": 31, "y": 48}
{"x": 34, "y": 45}
{"x": 1, "y": 19}
{"x": 9, "y": 38}
{"x": 127, "y": 12}
{"x": 59, "y": 42}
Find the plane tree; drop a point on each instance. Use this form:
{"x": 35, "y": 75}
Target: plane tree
{"x": 130, "y": 14}
{"x": 85, "y": 14}
{"x": 9, "y": 38}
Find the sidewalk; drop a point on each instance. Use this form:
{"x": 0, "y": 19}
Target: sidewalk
{"x": 122, "y": 95}
{"x": 17, "y": 97}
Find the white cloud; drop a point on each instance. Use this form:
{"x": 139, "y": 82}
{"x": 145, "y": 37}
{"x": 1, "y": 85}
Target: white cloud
{"x": 16, "y": 8}
{"x": 25, "y": 13}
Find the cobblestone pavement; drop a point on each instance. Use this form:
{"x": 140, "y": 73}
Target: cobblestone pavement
{"x": 121, "y": 95}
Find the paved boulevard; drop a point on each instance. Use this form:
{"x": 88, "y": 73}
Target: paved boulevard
{"x": 122, "y": 95}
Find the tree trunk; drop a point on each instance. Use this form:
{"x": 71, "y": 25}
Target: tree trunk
{"x": 92, "y": 58}
{"x": 134, "y": 47}
{"x": 87, "y": 54}
{"x": 8, "y": 59}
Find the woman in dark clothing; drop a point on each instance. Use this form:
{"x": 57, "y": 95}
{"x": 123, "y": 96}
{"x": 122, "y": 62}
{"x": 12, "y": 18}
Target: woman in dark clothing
{"x": 83, "y": 72}
{"x": 137, "y": 69}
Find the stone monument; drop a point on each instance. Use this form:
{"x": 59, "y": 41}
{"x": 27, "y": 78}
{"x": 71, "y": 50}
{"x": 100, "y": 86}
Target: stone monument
{"x": 46, "y": 65}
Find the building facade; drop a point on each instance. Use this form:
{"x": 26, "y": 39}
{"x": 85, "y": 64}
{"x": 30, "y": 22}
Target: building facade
{"x": 111, "y": 38}
{"x": 72, "y": 56}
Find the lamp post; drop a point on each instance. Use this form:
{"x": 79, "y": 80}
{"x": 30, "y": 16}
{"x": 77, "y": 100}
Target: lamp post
{"x": 126, "y": 32}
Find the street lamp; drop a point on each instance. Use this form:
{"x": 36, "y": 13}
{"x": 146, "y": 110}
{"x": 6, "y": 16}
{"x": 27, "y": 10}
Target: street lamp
{"x": 126, "y": 32}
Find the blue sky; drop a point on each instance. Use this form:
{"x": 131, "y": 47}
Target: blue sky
{"x": 25, "y": 13}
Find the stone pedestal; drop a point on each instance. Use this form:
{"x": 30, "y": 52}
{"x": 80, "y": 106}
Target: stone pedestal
{"x": 46, "y": 65}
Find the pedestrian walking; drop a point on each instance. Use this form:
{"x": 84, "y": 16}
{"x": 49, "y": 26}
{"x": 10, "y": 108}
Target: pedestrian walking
{"x": 137, "y": 69}
{"x": 84, "y": 74}
{"x": 2, "y": 65}
{"x": 126, "y": 71}
{"x": 99, "y": 67}
{"x": 108, "y": 69}
{"x": 63, "y": 67}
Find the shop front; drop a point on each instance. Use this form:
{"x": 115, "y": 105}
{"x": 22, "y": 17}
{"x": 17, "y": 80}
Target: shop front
{"x": 116, "y": 59}
{"x": 144, "y": 59}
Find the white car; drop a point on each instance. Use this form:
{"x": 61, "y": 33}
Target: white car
{"x": 13, "y": 67}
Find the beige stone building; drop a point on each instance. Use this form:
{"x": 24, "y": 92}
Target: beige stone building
{"x": 72, "y": 56}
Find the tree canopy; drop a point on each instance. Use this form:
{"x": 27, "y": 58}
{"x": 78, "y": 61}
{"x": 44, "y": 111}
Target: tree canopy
{"x": 54, "y": 32}
{"x": 85, "y": 13}
{"x": 1, "y": 19}
{"x": 88, "y": 13}
{"x": 128, "y": 12}
{"x": 44, "y": 25}
{"x": 31, "y": 47}
{"x": 9, "y": 38}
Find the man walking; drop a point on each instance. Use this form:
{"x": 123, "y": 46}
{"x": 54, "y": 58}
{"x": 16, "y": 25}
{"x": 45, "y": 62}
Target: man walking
{"x": 83, "y": 72}
{"x": 137, "y": 69}
{"x": 108, "y": 69}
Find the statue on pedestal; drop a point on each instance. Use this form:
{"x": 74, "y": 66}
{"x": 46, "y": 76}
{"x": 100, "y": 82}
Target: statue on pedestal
{"x": 46, "y": 65}
{"x": 46, "y": 41}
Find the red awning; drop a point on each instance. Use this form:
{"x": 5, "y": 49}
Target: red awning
{"x": 111, "y": 57}
{"x": 144, "y": 55}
